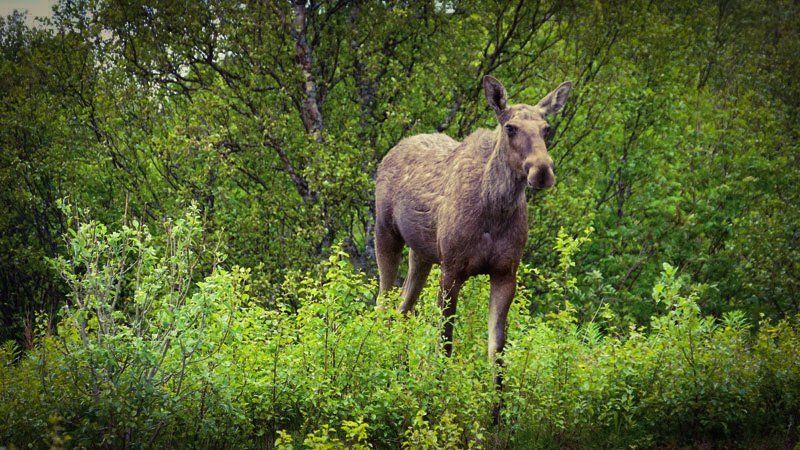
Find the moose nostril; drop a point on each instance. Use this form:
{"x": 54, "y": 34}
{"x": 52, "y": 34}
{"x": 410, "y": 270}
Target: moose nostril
{"x": 527, "y": 167}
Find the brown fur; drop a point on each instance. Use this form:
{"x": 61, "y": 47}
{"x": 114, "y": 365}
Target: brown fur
{"x": 463, "y": 206}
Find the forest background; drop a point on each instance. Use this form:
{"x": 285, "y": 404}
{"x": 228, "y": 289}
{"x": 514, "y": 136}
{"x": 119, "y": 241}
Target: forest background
{"x": 216, "y": 159}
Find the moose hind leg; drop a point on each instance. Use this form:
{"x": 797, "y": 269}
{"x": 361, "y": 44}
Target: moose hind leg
{"x": 388, "y": 250}
{"x": 418, "y": 270}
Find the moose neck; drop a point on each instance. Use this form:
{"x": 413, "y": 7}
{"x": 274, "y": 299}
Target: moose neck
{"x": 500, "y": 186}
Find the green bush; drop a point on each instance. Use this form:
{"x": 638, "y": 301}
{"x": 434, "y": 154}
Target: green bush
{"x": 160, "y": 344}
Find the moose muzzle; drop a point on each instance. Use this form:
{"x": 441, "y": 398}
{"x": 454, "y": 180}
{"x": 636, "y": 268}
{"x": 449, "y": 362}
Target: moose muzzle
{"x": 541, "y": 176}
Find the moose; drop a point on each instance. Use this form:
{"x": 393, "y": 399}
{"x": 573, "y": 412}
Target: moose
{"x": 463, "y": 206}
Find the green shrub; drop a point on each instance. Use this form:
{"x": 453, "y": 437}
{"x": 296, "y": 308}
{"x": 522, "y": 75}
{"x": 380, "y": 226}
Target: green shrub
{"x": 161, "y": 345}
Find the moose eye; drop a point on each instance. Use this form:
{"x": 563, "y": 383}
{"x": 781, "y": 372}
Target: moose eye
{"x": 547, "y": 133}
{"x": 511, "y": 130}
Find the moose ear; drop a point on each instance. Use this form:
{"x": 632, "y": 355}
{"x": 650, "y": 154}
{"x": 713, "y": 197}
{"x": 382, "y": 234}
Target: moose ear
{"x": 495, "y": 94}
{"x": 554, "y": 101}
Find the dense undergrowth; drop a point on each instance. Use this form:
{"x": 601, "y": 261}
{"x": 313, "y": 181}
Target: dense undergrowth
{"x": 161, "y": 345}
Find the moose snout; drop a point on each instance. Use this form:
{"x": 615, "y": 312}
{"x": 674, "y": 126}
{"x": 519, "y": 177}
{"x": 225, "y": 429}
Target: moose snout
{"x": 541, "y": 176}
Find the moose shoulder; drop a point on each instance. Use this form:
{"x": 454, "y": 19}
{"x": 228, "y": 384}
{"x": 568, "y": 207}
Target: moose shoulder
{"x": 462, "y": 205}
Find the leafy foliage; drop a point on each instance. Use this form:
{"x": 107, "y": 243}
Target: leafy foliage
{"x": 244, "y": 138}
{"x": 150, "y": 352}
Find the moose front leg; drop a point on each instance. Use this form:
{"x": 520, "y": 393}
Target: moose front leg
{"x": 500, "y": 297}
{"x": 449, "y": 285}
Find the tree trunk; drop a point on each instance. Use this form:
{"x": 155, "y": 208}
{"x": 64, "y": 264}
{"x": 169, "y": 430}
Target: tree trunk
{"x": 312, "y": 117}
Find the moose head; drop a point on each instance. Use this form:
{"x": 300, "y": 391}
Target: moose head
{"x": 525, "y": 132}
